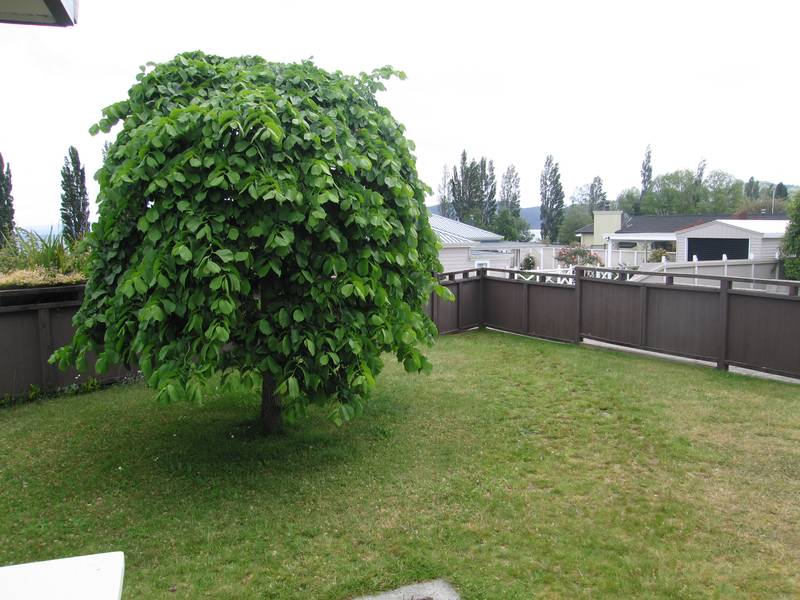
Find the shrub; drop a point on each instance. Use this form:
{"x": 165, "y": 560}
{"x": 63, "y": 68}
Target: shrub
{"x": 576, "y": 255}
{"x": 528, "y": 263}
{"x": 791, "y": 268}
{"x": 657, "y": 254}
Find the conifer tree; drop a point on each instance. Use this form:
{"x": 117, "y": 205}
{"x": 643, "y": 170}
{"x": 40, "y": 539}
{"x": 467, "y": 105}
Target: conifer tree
{"x": 647, "y": 180}
{"x": 6, "y": 203}
{"x": 552, "y": 195}
{"x": 74, "y": 198}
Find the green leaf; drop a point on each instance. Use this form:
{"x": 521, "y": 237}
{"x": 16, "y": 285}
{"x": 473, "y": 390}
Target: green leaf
{"x": 298, "y": 315}
{"x": 293, "y": 387}
{"x": 225, "y": 255}
{"x": 182, "y": 252}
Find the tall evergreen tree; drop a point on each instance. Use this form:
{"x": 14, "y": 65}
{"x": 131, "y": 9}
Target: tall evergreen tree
{"x": 510, "y": 191}
{"x": 508, "y": 222}
{"x": 487, "y": 200}
{"x": 751, "y": 189}
{"x": 781, "y": 193}
{"x": 6, "y": 203}
{"x": 74, "y": 198}
{"x": 445, "y": 197}
{"x": 647, "y": 179}
{"x": 473, "y": 188}
{"x": 698, "y": 184}
{"x": 552, "y": 196}
{"x": 598, "y": 200}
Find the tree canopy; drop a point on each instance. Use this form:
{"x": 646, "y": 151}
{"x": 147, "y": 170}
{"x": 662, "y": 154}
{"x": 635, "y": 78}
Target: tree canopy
{"x": 259, "y": 221}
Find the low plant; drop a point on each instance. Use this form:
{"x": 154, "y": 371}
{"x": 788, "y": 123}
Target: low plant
{"x": 791, "y": 268}
{"x": 528, "y": 263}
{"x": 657, "y": 255}
{"x": 30, "y": 259}
{"x": 576, "y": 255}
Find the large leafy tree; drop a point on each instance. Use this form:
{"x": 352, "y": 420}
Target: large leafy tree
{"x": 74, "y": 197}
{"x": 552, "y": 197}
{"x": 6, "y": 203}
{"x": 258, "y": 221}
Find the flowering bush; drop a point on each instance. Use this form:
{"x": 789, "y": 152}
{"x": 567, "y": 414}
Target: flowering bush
{"x": 576, "y": 255}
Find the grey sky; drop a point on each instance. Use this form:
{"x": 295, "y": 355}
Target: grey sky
{"x": 590, "y": 82}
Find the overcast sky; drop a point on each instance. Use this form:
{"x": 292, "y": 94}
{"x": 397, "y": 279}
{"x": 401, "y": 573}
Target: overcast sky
{"x": 590, "y": 82}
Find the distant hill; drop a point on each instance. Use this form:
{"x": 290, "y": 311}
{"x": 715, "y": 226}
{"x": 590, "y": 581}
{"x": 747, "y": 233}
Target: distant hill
{"x": 530, "y": 214}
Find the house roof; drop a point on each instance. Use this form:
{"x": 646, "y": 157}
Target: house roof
{"x": 669, "y": 224}
{"x": 453, "y": 232}
{"x": 664, "y": 223}
{"x": 768, "y": 228}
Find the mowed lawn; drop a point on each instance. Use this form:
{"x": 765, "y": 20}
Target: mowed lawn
{"x": 518, "y": 469}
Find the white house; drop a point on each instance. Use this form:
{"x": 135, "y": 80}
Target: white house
{"x": 755, "y": 239}
{"x": 468, "y": 247}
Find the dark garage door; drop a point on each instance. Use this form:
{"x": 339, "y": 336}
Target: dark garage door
{"x": 714, "y": 248}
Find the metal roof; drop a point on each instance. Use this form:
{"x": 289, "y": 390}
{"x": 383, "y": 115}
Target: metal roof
{"x": 453, "y": 230}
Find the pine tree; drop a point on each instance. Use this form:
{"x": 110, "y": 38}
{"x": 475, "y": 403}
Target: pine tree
{"x": 6, "y": 203}
{"x": 74, "y": 198}
{"x": 647, "y": 180}
{"x": 781, "y": 193}
{"x": 552, "y": 195}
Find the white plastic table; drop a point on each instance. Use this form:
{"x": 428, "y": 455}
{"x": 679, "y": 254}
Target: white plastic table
{"x": 93, "y": 577}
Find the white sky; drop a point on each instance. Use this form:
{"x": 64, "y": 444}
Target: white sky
{"x": 590, "y": 82}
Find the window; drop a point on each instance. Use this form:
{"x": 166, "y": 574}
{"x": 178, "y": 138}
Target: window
{"x": 481, "y": 264}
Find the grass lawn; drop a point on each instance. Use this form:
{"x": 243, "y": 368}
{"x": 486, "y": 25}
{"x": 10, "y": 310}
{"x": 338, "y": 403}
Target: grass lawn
{"x": 519, "y": 469}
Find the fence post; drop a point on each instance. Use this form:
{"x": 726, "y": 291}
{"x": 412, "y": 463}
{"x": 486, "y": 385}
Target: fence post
{"x": 643, "y": 316}
{"x": 482, "y": 299}
{"x": 458, "y": 305}
{"x": 45, "y": 347}
{"x": 578, "y": 292}
{"x": 526, "y": 309}
{"x": 724, "y": 286}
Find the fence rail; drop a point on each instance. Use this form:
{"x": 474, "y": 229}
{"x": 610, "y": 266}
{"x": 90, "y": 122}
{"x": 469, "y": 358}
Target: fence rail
{"x": 723, "y": 324}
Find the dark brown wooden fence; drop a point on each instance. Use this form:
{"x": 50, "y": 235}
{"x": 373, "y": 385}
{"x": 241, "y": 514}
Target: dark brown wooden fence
{"x": 722, "y": 324}
{"x": 33, "y": 323}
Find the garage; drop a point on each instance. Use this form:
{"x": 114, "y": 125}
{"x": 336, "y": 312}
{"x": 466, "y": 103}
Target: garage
{"x": 715, "y": 248}
{"x": 736, "y": 239}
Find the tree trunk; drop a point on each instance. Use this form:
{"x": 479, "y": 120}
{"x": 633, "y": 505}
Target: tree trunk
{"x": 271, "y": 422}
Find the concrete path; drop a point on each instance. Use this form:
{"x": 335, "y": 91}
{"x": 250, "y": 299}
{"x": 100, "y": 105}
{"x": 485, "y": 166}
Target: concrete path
{"x": 429, "y": 590}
